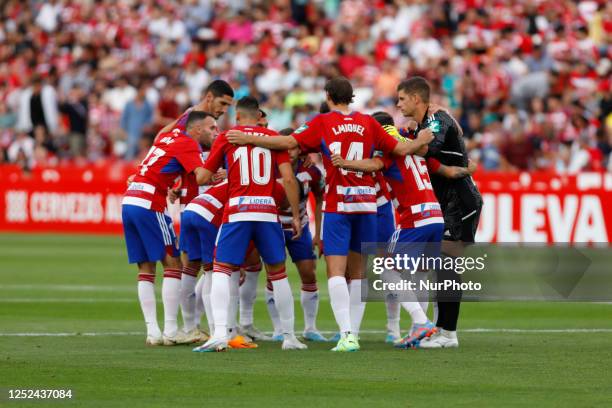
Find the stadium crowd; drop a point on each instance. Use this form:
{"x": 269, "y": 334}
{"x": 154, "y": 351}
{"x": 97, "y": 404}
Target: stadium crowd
{"x": 88, "y": 81}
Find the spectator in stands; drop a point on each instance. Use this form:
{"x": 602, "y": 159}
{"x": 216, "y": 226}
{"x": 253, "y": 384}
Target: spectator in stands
{"x": 38, "y": 107}
{"x": 137, "y": 115}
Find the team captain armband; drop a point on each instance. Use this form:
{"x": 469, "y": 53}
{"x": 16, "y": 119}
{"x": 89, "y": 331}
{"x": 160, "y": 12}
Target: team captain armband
{"x": 392, "y": 130}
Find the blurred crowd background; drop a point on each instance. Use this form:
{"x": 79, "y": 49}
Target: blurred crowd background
{"x": 94, "y": 80}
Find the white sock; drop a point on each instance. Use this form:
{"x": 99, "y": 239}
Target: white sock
{"x": 273, "y": 312}
{"x": 206, "y": 288}
{"x": 188, "y": 300}
{"x": 357, "y": 306}
{"x": 171, "y": 289}
{"x": 146, "y": 296}
{"x": 219, "y": 300}
{"x": 340, "y": 302}
{"x": 283, "y": 299}
{"x": 393, "y": 315}
{"x": 310, "y": 306}
{"x": 416, "y": 313}
{"x": 435, "y": 312}
{"x": 232, "y": 311}
{"x": 199, "y": 305}
{"x": 248, "y": 293}
{"x": 413, "y": 307}
{"x": 423, "y": 293}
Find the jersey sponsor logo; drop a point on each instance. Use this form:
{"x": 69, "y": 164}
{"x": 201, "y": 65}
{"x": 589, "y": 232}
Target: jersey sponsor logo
{"x": 348, "y": 128}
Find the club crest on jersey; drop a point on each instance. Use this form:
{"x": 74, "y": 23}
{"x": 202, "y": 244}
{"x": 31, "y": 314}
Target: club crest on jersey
{"x": 434, "y": 125}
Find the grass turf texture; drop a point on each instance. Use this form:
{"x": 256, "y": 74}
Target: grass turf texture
{"x": 66, "y": 284}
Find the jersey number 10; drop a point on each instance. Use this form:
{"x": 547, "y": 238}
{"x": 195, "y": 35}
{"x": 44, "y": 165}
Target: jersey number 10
{"x": 260, "y": 165}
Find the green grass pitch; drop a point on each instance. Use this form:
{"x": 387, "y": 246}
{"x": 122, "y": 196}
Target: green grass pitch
{"x": 82, "y": 284}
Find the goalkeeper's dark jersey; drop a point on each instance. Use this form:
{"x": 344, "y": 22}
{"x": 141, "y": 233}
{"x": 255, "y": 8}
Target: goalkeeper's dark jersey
{"x": 449, "y": 148}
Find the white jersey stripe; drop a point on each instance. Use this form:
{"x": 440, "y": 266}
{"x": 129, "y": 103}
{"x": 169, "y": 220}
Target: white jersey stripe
{"x": 201, "y": 211}
{"x": 137, "y": 201}
{"x": 253, "y": 216}
{"x": 427, "y": 221}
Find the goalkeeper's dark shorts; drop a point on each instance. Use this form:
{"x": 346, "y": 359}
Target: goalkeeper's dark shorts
{"x": 461, "y": 224}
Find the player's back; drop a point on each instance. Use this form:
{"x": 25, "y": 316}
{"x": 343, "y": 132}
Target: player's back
{"x": 251, "y": 174}
{"x": 412, "y": 190}
{"x": 354, "y": 137}
{"x": 172, "y": 154}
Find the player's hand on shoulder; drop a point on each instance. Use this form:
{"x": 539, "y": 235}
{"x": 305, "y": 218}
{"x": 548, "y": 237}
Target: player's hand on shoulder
{"x": 237, "y": 137}
{"x": 425, "y": 135}
{"x": 337, "y": 160}
{"x": 130, "y": 179}
{"x": 434, "y": 108}
{"x": 297, "y": 228}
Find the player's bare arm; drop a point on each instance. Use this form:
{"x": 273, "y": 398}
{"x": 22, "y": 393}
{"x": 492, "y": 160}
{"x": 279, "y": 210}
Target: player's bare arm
{"x": 274, "y": 143}
{"x": 456, "y": 172}
{"x": 366, "y": 165}
{"x": 417, "y": 146}
{"x": 293, "y": 196}
{"x": 203, "y": 176}
{"x": 318, "y": 216}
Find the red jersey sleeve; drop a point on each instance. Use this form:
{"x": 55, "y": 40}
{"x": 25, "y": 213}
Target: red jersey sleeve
{"x": 279, "y": 194}
{"x": 309, "y": 135}
{"x": 382, "y": 140}
{"x": 217, "y": 154}
{"x": 189, "y": 155}
{"x": 281, "y": 156}
{"x": 433, "y": 165}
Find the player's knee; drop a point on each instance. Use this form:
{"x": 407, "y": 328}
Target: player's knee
{"x": 207, "y": 267}
{"x": 277, "y": 272}
{"x": 309, "y": 287}
{"x": 228, "y": 269}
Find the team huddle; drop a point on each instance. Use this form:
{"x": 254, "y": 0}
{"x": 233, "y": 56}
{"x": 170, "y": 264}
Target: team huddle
{"x": 243, "y": 196}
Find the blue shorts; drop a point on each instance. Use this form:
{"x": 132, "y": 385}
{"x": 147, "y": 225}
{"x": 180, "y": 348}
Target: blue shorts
{"x": 414, "y": 242}
{"x": 234, "y": 237}
{"x": 301, "y": 248}
{"x": 385, "y": 223}
{"x": 344, "y": 232}
{"x": 149, "y": 235}
{"x": 197, "y": 237}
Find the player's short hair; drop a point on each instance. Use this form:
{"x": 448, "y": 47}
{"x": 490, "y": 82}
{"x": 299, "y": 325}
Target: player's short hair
{"x": 196, "y": 116}
{"x": 287, "y": 131}
{"x": 248, "y": 105}
{"x": 383, "y": 118}
{"x": 218, "y": 88}
{"x": 339, "y": 90}
{"x": 416, "y": 85}
{"x": 324, "y": 108}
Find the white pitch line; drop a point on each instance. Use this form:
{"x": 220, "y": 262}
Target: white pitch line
{"x": 476, "y": 330}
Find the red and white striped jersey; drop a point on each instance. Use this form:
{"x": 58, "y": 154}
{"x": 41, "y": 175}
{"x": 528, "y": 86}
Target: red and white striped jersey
{"x": 383, "y": 190}
{"x": 414, "y": 197}
{"x": 251, "y": 176}
{"x": 310, "y": 180}
{"x": 210, "y": 204}
{"x": 354, "y": 136}
{"x": 172, "y": 155}
{"x": 189, "y": 189}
